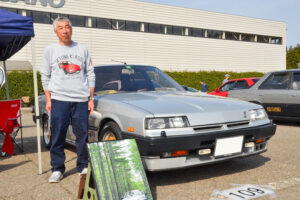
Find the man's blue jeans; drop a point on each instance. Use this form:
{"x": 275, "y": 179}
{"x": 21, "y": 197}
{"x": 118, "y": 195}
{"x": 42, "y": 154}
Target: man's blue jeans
{"x": 61, "y": 114}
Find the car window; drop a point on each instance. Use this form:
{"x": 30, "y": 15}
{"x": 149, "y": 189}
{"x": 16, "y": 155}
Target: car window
{"x": 242, "y": 84}
{"x": 296, "y": 81}
{"x": 277, "y": 81}
{"x": 255, "y": 80}
{"x": 227, "y": 86}
{"x": 133, "y": 78}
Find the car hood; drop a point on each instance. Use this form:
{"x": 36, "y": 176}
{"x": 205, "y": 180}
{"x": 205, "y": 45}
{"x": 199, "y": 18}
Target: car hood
{"x": 199, "y": 108}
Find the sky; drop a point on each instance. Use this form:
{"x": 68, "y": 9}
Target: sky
{"x": 287, "y": 11}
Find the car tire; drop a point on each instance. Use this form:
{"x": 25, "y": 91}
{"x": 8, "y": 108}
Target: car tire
{"x": 111, "y": 131}
{"x": 46, "y": 132}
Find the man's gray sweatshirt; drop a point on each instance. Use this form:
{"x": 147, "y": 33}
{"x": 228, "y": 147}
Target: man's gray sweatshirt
{"x": 67, "y": 72}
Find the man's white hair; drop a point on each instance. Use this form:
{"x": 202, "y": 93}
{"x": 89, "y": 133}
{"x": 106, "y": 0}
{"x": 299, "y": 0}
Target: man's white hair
{"x": 59, "y": 19}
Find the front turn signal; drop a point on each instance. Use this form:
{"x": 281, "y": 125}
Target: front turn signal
{"x": 179, "y": 153}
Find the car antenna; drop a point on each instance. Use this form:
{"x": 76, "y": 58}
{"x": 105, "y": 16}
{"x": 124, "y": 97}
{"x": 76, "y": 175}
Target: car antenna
{"x": 118, "y": 61}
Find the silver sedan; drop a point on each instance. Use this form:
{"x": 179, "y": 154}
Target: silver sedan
{"x": 173, "y": 128}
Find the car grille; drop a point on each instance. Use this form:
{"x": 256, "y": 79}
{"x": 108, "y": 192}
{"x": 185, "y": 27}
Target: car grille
{"x": 222, "y": 126}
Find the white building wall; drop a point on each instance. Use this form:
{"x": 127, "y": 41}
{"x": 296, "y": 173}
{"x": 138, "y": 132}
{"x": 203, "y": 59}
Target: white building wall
{"x": 168, "y": 52}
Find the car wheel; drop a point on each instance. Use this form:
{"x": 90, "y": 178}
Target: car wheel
{"x": 46, "y": 132}
{"x": 110, "y": 131}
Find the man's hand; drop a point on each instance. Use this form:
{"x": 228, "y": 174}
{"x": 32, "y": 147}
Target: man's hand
{"x": 91, "y": 106}
{"x": 48, "y": 106}
{"x": 48, "y": 101}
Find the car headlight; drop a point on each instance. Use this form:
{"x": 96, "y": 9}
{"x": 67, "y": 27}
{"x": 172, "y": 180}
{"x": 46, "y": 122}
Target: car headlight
{"x": 166, "y": 122}
{"x": 257, "y": 114}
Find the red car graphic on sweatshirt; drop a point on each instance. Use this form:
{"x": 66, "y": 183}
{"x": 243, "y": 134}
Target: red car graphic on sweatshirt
{"x": 68, "y": 67}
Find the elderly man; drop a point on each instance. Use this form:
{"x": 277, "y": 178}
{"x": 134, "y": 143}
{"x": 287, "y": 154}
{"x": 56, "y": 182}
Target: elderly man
{"x": 68, "y": 80}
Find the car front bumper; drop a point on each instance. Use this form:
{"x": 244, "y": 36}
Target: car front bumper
{"x": 159, "y": 164}
{"x": 152, "y": 149}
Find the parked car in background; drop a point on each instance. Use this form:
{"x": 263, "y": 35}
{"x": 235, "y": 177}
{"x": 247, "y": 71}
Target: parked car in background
{"x": 234, "y": 84}
{"x": 278, "y": 92}
{"x": 173, "y": 128}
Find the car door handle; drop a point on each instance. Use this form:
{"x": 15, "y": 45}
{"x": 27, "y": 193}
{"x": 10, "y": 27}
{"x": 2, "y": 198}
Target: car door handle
{"x": 260, "y": 95}
{"x": 293, "y": 95}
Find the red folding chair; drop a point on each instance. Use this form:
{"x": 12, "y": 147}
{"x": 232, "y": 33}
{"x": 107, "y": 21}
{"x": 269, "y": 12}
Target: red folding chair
{"x": 10, "y": 124}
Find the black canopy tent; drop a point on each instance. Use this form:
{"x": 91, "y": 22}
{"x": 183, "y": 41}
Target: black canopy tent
{"x": 15, "y": 32}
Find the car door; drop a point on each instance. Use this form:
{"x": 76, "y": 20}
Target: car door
{"x": 273, "y": 93}
{"x": 293, "y": 105}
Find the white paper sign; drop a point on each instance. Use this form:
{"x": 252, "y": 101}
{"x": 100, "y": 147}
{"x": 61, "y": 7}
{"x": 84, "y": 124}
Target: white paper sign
{"x": 245, "y": 192}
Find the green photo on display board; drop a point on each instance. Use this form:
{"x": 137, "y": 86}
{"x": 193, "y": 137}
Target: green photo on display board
{"x": 118, "y": 171}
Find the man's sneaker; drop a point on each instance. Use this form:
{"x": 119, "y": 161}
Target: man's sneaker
{"x": 84, "y": 171}
{"x": 55, "y": 177}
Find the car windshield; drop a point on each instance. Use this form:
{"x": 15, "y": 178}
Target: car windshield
{"x": 125, "y": 78}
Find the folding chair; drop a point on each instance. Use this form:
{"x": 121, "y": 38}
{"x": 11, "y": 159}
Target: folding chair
{"x": 10, "y": 124}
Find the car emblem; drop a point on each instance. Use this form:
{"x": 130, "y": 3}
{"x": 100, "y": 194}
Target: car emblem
{"x": 245, "y": 115}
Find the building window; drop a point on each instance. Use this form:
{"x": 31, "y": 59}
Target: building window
{"x": 248, "y": 37}
{"x": 276, "y": 40}
{"x": 132, "y": 26}
{"x": 197, "y": 32}
{"x": 77, "y": 20}
{"x": 155, "y": 28}
{"x": 53, "y": 16}
{"x": 41, "y": 17}
{"x": 14, "y": 10}
{"x": 103, "y": 23}
{"x": 177, "y": 30}
{"x": 118, "y": 24}
{"x": 262, "y": 39}
{"x": 19, "y": 12}
{"x": 214, "y": 34}
{"x": 232, "y": 36}
{"x": 121, "y": 24}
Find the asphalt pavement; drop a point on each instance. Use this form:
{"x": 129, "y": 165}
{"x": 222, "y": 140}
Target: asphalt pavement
{"x": 278, "y": 169}
{"x": 19, "y": 178}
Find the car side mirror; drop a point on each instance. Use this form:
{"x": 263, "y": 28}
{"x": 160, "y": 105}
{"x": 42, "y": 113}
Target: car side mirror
{"x": 2, "y": 77}
{"x": 217, "y": 90}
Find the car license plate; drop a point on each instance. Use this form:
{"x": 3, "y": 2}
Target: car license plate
{"x": 274, "y": 109}
{"x": 228, "y": 146}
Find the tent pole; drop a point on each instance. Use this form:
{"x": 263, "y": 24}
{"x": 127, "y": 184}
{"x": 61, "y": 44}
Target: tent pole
{"x": 6, "y": 80}
{"x": 37, "y": 110}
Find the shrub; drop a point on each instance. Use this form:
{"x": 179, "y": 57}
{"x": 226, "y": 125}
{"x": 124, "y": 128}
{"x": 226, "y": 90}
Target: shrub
{"x": 20, "y": 83}
{"x": 213, "y": 79}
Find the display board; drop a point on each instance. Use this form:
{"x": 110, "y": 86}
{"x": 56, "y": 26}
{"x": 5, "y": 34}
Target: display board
{"x": 117, "y": 170}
